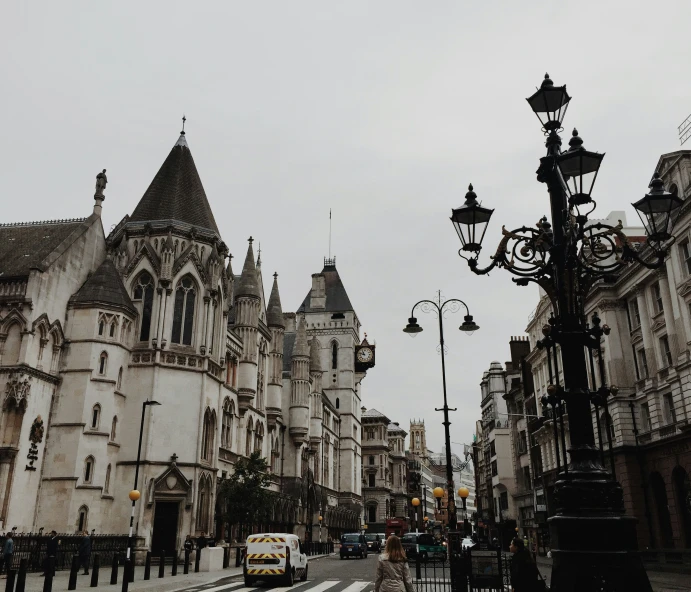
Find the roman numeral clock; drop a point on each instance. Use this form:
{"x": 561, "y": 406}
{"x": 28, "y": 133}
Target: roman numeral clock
{"x": 364, "y": 356}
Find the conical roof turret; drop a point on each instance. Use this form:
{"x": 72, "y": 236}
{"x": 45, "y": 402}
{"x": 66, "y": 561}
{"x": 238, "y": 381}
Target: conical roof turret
{"x": 301, "y": 348}
{"x": 315, "y": 360}
{"x": 274, "y": 312}
{"x": 176, "y": 193}
{"x": 249, "y": 283}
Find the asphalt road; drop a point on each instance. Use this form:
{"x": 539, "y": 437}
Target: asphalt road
{"x": 327, "y": 574}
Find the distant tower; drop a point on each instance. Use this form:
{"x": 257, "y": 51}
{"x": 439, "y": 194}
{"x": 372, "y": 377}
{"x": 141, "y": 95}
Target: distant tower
{"x": 418, "y": 441}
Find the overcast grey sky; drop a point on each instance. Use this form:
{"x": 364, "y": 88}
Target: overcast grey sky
{"x": 380, "y": 110}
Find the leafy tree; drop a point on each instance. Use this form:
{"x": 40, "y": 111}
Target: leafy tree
{"x": 244, "y": 496}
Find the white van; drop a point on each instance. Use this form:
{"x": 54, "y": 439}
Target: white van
{"x": 272, "y": 556}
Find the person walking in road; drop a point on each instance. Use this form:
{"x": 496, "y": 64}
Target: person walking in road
{"x": 393, "y": 573}
{"x": 51, "y": 551}
{"x": 7, "y": 553}
{"x": 524, "y": 574}
{"x": 85, "y": 552}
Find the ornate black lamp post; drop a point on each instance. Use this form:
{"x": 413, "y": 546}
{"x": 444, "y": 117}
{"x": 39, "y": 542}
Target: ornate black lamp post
{"x": 594, "y": 543}
{"x": 469, "y": 326}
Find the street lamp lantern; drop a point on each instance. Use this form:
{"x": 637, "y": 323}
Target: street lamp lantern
{"x": 470, "y": 222}
{"x": 438, "y": 492}
{"x": 658, "y": 211}
{"x": 463, "y": 492}
{"x": 320, "y": 518}
{"x": 134, "y": 495}
{"x": 469, "y": 326}
{"x": 549, "y": 103}
{"x": 579, "y": 167}
{"x": 412, "y": 328}
{"x": 415, "y": 501}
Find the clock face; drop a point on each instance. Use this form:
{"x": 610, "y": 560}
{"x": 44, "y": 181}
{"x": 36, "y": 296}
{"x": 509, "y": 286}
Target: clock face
{"x": 365, "y": 355}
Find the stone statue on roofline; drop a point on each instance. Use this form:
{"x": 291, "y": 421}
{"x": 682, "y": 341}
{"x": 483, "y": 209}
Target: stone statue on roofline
{"x": 101, "y": 181}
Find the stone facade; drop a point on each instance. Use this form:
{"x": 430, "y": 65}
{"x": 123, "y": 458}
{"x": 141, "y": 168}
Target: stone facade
{"x": 93, "y": 327}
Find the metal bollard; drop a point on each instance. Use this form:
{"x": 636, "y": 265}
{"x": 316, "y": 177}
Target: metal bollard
{"x": 72, "y": 585}
{"x": 237, "y": 557}
{"x": 21, "y": 576}
{"x": 175, "y": 564}
{"x": 186, "y": 569}
{"x": 94, "y": 570}
{"x": 131, "y": 570}
{"x": 418, "y": 573}
{"x": 50, "y": 572}
{"x": 147, "y": 566}
{"x": 126, "y": 575}
{"x": 226, "y": 557}
{"x": 9, "y": 584}
{"x": 114, "y": 570}
{"x": 162, "y": 564}
{"x": 197, "y": 557}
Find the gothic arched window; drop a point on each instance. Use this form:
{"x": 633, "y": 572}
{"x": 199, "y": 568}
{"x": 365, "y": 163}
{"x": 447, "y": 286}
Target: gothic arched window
{"x": 227, "y": 425}
{"x": 259, "y": 437}
{"x": 248, "y": 440}
{"x": 83, "y": 518}
{"x": 106, "y": 485}
{"x": 118, "y": 386}
{"x": 334, "y": 355}
{"x": 183, "y": 313}
{"x": 95, "y": 416}
{"x": 144, "y": 292}
{"x": 208, "y": 434}
{"x": 88, "y": 469}
{"x": 102, "y": 363}
{"x": 114, "y": 429}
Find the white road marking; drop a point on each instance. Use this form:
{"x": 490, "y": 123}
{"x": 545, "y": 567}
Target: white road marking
{"x": 223, "y": 587}
{"x": 323, "y": 586}
{"x": 356, "y": 587}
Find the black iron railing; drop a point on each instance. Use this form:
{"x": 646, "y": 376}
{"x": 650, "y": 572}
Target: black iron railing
{"x": 33, "y": 547}
{"x": 317, "y": 548}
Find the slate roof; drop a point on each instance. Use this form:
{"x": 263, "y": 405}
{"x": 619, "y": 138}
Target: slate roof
{"x": 336, "y": 296}
{"x": 374, "y": 414}
{"x": 393, "y": 428}
{"x": 27, "y": 246}
{"x": 104, "y": 286}
{"x": 176, "y": 193}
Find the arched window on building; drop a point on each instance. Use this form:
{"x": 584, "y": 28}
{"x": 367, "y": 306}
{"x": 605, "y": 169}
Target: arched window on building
{"x": 208, "y": 434}
{"x": 203, "y": 504}
{"x": 114, "y": 428}
{"x": 227, "y": 424}
{"x": 88, "y": 469}
{"x": 103, "y": 363}
{"x": 95, "y": 416}
{"x": 275, "y": 456}
{"x": 338, "y": 403}
{"x": 83, "y": 519}
{"x": 334, "y": 355}
{"x": 183, "y": 312}
{"x": 144, "y": 293}
{"x": 248, "y": 440}
{"x": 118, "y": 386}
{"x": 106, "y": 485}
{"x": 113, "y": 328}
{"x": 101, "y": 327}
{"x": 372, "y": 513}
{"x": 259, "y": 437}
{"x": 607, "y": 427}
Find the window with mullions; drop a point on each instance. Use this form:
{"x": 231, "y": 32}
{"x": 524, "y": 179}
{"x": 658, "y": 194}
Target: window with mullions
{"x": 144, "y": 292}
{"x": 657, "y": 296}
{"x": 183, "y": 313}
{"x": 685, "y": 251}
{"x": 635, "y": 314}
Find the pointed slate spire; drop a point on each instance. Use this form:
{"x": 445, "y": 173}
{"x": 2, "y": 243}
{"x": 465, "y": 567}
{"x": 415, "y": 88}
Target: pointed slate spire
{"x": 248, "y": 284}
{"x": 104, "y": 286}
{"x": 176, "y": 192}
{"x": 274, "y": 311}
{"x": 301, "y": 348}
{"x": 315, "y": 360}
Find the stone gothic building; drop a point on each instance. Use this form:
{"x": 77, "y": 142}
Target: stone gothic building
{"x": 94, "y": 327}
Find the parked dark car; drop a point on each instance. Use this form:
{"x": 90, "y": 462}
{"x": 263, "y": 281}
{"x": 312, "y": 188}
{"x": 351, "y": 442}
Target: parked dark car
{"x": 374, "y": 542}
{"x": 353, "y": 545}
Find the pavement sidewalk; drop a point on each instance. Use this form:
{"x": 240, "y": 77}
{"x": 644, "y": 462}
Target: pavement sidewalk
{"x": 659, "y": 580}
{"x": 34, "y": 581}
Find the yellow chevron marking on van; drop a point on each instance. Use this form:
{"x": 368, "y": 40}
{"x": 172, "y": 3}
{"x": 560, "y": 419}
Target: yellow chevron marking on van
{"x": 266, "y": 540}
{"x": 265, "y": 555}
{"x": 258, "y": 572}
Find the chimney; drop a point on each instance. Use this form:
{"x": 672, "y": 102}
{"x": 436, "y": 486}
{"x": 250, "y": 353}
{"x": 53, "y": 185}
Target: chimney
{"x": 318, "y": 293}
{"x": 520, "y": 348}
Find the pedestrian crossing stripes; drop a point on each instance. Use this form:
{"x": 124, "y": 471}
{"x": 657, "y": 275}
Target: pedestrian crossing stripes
{"x": 309, "y": 586}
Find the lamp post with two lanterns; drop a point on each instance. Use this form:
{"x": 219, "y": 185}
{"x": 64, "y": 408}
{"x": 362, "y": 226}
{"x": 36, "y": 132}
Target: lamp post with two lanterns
{"x": 593, "y": 541}
{"x": 468, "y": 326}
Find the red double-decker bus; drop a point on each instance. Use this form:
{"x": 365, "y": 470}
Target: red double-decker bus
{"x": 396, "y": 526}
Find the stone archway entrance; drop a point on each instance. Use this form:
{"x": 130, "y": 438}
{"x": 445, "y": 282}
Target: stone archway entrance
{"x": 166, "y": 519}
{"x": 657, "y": 484}
{"x": 170, "y": 495}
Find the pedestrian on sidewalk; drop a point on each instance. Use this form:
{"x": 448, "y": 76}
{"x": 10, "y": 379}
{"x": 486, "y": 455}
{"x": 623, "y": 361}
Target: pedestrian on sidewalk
{"x": 85, "y": 552}
{"x": 7, "y": 552}
{"x": 188, "y": 546}
{"x": 524, "y": 574}
{"x": 51, "y": 551}
{"x": 393, "y": 573}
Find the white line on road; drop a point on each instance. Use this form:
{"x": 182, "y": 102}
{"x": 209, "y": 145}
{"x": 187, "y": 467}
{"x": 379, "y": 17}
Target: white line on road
{"x": 323, "y": 586}
{"x": 356, "y": 587}
{"x": 227, "y": 587}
